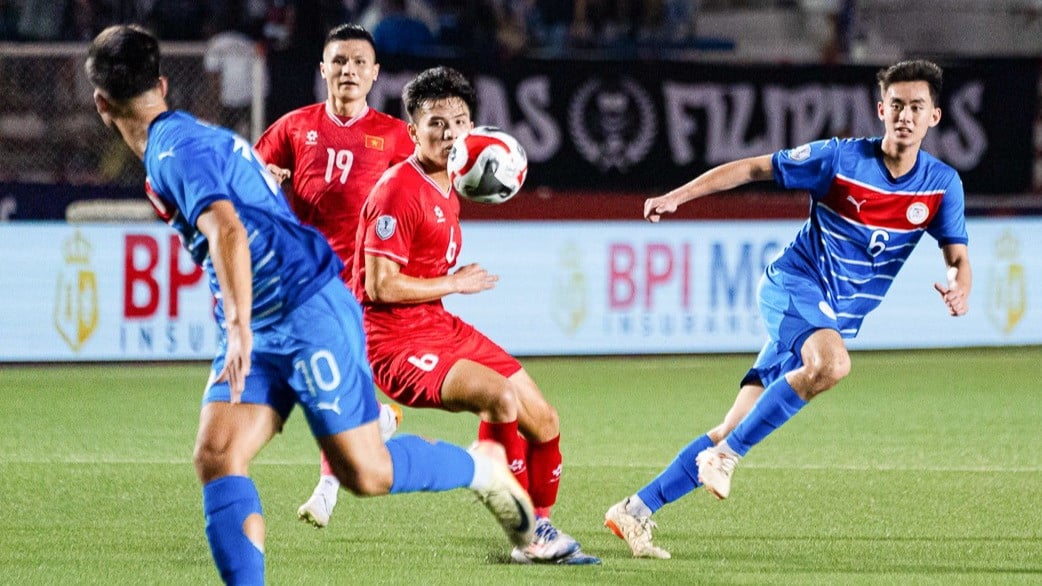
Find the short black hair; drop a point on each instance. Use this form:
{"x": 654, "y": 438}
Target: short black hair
{"x": 438, "y": 83}
{"x": 123, "y": 61}
{"x": 349, "y": 32}
{"x": 914, "y": 70}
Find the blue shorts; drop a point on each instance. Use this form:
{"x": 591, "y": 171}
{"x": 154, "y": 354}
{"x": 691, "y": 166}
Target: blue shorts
{"x": 316, "y": 356}
{"x": 793, "y": 307}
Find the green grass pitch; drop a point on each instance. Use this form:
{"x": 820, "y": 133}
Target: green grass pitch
{"x": 921, "y": 468}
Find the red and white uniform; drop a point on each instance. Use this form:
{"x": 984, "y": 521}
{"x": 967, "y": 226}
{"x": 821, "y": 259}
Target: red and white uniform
{"x": 411, "y": 221}
{"x": 335, "y": 163}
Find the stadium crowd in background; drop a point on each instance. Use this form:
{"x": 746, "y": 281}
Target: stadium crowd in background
{"x": 502, "y": 27}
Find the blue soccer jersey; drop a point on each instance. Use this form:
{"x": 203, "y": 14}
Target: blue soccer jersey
{"x": 191, "y": 164}
{"x": 863, "y": 223}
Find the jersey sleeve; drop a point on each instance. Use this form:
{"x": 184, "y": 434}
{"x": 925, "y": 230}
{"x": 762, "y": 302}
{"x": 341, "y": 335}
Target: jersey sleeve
{"x": 949, "y": 224}
{"x": 810, "y": 166}
{"x": 390, "y": 222}
{"x": 274, "y": 145}
{"x": 193, "y": 179}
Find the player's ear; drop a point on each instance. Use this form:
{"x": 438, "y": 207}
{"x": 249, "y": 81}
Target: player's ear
{"x": 100, "y": 103}
{"x": 935, "y": 117}
{"x": 879, "y": 109}
{"x": 376, "y": 71}
{"x": 412, "y": 133}
{"x": 163, "y": 85}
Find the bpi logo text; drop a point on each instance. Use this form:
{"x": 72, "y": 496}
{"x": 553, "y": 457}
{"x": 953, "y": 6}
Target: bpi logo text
{"x": 167, "y": 305}
{"x": 147, "y": 283}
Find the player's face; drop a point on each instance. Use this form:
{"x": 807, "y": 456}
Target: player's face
{"x": 349, "y": 68}
{"x": 907, "y": 112}
{"x": 436, "y": 126}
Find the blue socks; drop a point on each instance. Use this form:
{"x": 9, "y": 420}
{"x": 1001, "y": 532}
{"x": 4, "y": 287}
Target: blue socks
{"x": 227, "y": 502}
{"x": 428, "y": 466}
{"x": 678, "y": 479}
{"x": 777, "y": 405}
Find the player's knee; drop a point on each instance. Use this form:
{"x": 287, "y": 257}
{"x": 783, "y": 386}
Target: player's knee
{"x": 366, "y": 480}
{"x": 210, "y": 461}
{"x": 825, "y": 374}
{"x": 501, "y": 402}
{"x": 545, "y": 421}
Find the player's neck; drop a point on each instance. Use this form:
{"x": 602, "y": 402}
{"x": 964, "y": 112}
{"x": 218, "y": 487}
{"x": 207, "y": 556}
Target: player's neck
{"x": 438, "y": 173}
{"x": 134, "y": 125}
{"x": 899, "y": 159}
{"x": 345, "y": 109}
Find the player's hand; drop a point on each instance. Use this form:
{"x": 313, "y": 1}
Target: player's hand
{"x": 473, "y": 278}
{"x": 953, "y": 295}
{"x": 237, "y": 361}
{"x": 281, "y": 175}
{"x": 655, "y": 207}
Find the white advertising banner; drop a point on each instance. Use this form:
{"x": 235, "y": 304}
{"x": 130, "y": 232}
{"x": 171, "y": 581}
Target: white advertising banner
{"x": 129, "y": 292}
{"x": 101, "y": 292}
{"x": 675, "y": 287}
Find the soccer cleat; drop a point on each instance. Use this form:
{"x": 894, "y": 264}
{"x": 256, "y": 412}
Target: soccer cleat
{"x": 635, "y": 531}
{"x": 548, "y": 546}
{"x": 505, "y": 498}
{"x": 715, "y": 468}
{"x": 390, "y": 420}
{"x": 317, "y": 509}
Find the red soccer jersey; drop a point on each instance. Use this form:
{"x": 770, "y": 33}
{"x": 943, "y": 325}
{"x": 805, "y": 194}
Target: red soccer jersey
{"x": 335, "y": 163}
{"x": 410, "y": 220}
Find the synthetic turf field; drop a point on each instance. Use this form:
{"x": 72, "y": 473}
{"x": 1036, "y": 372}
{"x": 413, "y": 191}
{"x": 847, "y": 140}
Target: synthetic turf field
{"x": 921, "y": 468}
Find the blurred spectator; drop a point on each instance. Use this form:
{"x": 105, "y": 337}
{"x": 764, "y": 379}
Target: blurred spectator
{"x": 293, "y": 35}
{"x": 42, "y": 20}
{"x": 420, "y": 10}
{"x": 397, "y": 33}
{"x": 179, "y": 20}
{"x": 9, "y": 20}
{"x": 229, "y": 61}
{"x": 551, "y": 25}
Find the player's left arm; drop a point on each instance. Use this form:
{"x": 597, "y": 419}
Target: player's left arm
{"x": 230, "y": 255}
{"x": 956, "y": 292}
{"x": 385, "y": 283}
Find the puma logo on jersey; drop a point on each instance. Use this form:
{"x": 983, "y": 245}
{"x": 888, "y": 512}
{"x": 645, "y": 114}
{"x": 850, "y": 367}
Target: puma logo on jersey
{"x": 856, "y": 203}
{"x": 167, "y": 153}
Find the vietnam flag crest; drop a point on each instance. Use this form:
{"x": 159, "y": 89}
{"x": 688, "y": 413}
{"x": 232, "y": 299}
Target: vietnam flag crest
{"x": 374, "y": 142}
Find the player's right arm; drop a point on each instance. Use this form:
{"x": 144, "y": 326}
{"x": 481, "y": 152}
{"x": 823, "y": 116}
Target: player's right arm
{"x": 721, "y": 178}
{"x": 276, "y": 150}
{"x": 230, "y": 254}
{"x": 385, "y": 283}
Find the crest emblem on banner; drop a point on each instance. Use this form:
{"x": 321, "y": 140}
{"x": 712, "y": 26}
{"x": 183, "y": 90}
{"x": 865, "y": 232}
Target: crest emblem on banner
{"x": 76, "y": 300}
{"x": 1007, "y": 285}
{"x": 613, "y": 125}
{"x": 568, "y": 309}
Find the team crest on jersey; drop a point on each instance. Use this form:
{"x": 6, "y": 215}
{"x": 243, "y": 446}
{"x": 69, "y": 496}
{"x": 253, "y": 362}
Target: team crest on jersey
{"x": 385, "y": 226}
{"x": 311, "y": 137}
{"x": 439, "y": 214}
{"x": 800, "y": 153}
{"x": 374, "y": 142}
{"x": 917, "y": 213}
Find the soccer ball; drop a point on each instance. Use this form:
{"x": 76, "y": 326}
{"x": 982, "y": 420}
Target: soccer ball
{"x": 487, "y": 165}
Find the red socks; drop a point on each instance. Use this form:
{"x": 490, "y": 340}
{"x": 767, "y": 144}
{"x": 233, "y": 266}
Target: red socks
{"x": 507, "y": 436}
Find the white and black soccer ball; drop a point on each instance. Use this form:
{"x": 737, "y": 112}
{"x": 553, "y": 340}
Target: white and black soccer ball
{"x": 487, "y": 165}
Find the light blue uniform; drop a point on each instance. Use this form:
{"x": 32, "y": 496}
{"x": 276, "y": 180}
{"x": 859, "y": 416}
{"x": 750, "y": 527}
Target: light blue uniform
{"x": 863, "y": 225}
{"x": 308, "y": 342}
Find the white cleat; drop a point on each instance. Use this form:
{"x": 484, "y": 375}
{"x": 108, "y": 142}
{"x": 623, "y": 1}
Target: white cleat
{"x": 549, "y": 545}
{"x": 316, "y": 510}
{"x": 390, "y": 420}
{"x": 505, "y": 498}
{"x": 635, "y": 531}
{"x": 715, "y": 468}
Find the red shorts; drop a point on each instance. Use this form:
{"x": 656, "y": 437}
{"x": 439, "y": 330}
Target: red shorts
{"x": 410, "y": 365}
